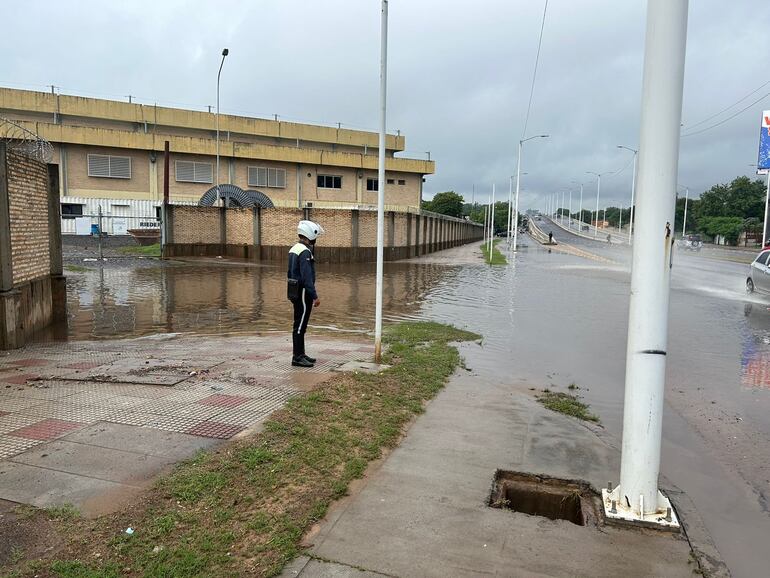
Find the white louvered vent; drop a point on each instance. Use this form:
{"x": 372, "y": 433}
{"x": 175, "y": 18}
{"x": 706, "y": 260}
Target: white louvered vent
{"x": 192, "y": 172}
{"x": 267, "y": 177}
{"x": 109, "y": 166}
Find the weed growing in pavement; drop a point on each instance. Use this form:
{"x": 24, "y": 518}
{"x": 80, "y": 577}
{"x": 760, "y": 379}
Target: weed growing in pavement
{"x": 497, "y": 257}
{"x": 142, "y": 250}
{"x": 567, "y": 404}
{"x": 243, "y": 508}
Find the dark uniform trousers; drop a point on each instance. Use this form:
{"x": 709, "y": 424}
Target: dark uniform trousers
{"x": 302, "y": 308}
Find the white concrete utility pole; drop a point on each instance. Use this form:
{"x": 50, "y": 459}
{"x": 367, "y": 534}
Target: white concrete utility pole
{"x": 767, "y": 204}
{"x": 225, "y": 52}
{"x": 637, "y": 496}
{"x": 381, "y": 182}
{"x": 518, "y": 182}
{"x": 491, "y": 223}
{"x": 633, "y": 186}
{"x": 569, "y": 214}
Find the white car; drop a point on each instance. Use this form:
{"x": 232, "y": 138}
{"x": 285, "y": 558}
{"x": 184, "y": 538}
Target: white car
{"x": 759, "y": 274}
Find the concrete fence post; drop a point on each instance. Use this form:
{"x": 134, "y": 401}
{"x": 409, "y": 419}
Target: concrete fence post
{"x": 6, "y": 260}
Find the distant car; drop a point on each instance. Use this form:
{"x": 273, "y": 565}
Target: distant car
{"x": 759, "y": 274}
{"x": 692, "y": 243}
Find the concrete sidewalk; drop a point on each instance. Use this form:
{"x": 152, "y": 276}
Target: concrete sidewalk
{"x": 92, "y": 423}
{"x": 424, "y": 511}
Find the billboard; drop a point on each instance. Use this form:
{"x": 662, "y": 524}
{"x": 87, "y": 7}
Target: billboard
{"x": 764, "y": 142}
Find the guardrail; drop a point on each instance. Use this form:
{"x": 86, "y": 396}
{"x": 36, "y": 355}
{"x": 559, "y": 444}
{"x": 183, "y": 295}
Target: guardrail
{"x": 538, "y": 235}
{"x": 601, "y": 233}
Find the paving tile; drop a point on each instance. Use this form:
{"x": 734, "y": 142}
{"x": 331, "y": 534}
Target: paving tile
{"x": 212, "y": 429}
{"x": 17, "y": 403}
{"x": 223, "y": 400}
{"x": 31, "y": 362}
{"x": 44, "y": 487}
{"x": 140, "y": 439}
{"x": 104, "y": 463}
{"x": 46, "y": 429}
{"x": 10, "y": 446}
{"x": 18, "y": 379}
{"x": 16, "y": 420}
{"x": 83, "y": 365}
{"x": 172, "y": 423}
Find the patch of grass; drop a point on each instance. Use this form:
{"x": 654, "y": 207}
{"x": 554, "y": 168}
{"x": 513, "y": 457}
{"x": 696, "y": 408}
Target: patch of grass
{"x": 76, "y": 268}
{"x": 243, "y": 508}
{"x": 142, "y": 250}
{"x": 62, "y": 513}
{"x": 567, "y": 404}
{"x": 497, "y": 257}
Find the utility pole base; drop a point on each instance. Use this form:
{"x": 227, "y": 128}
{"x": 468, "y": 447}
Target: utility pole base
{"x": 616, "y": 511}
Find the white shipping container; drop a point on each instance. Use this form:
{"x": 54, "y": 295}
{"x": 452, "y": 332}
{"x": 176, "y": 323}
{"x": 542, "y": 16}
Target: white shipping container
{"x": 129, "y": 214}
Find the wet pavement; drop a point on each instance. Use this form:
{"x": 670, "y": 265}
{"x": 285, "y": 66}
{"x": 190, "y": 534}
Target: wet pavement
{"x": 92, "y": 423}
{"x": 548, "y": 319}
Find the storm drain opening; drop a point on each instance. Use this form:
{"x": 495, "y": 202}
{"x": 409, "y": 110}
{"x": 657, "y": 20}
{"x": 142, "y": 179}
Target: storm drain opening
{"x": 572, "y": 500}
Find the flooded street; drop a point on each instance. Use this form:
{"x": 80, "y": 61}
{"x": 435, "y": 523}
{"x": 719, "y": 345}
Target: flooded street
{"x": 548, "y": 320}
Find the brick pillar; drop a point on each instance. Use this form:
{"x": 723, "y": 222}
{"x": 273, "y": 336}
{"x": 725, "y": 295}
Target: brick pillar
{"x": 256, "y": 234}
{"x": 6, "y": 263}
{"x": 409, "y": 252}
{"x": 417, "y": 221}
{"x": 223, "y": 228}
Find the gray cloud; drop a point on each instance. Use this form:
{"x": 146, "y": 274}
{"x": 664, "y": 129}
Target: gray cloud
{"x": 459, "y": 75}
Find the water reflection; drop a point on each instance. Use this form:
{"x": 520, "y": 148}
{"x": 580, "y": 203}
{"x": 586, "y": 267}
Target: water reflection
{"x": 224, "y": 298}
{"x": 755, "y": 353}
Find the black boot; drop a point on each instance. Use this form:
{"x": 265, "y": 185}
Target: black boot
{"x": 310, "y": 359}
{"x": 301, "y": 362}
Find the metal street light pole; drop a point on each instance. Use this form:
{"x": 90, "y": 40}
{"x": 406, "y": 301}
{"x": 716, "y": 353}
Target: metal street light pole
{"x": 620, "y": 219}
{"x": 569, "y": 215}
{"x": 637, "y": 496}
{"x": 518, "y": 181}
{"x": 381, "y": 181}
{"x": 633, "y": 186}
{"x": 510, "y": 208}
{"x": 598, "y": 188}
{"x": 225, "y": 52}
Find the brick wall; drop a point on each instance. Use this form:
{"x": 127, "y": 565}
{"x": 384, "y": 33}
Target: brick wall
{"x": 240, "y": 226}
{"x": 28, "y": 208}
{"x": 336, "y": 224}
{"x": 196, "y": 225}
{"x": 279, "y": 226}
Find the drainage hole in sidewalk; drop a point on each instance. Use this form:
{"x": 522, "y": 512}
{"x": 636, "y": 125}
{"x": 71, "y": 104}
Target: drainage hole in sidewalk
{"x": 552, "y": 498}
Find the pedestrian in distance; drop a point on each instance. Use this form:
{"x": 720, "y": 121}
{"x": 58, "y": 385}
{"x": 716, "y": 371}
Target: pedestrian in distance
{"x": 550, "y": 237}
{"x": 301, "y": 289}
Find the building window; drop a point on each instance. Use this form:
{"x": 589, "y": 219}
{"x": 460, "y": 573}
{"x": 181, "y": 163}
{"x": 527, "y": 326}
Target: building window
{"x": 371, "y": 185}
{"x": 71, "y": 211}
{"x": 401, "y": 181}
{"x": 329, "y": 182}
{"x": 109, "y": 166}
{"x": 391, "y": 181}
{"x": 267, "y": 177}
{"x": 193, "y": 172}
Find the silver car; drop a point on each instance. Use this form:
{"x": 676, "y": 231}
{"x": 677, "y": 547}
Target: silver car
{"x": 759, "y": 274}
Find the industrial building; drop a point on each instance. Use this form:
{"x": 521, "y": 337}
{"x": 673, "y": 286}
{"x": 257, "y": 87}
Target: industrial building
{"x": 110, "y": 155}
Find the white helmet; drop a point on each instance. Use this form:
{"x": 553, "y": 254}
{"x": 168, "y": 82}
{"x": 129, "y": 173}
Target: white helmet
{"x": 310, "y": 230}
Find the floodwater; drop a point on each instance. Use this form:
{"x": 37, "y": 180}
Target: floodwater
{"x": 548, "y": 319}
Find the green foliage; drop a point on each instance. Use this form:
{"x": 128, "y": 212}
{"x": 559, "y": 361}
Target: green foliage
{"x": 142, "y": 250}
{"x": 497, "y": 257}
{"x": 567, "y": 404}
{"x": 728, "y": 227}
{"x": 446, "y": 203}
{"x": 478, "y": 214}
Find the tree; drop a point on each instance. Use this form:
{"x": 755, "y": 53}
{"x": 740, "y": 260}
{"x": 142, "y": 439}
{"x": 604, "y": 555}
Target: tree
{"x": 742, "y": 198}
{"x": 446, "y": 203}
{"x": 728, "y": 227}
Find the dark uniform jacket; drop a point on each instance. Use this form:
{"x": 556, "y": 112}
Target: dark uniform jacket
{"x": 302, "y": 268}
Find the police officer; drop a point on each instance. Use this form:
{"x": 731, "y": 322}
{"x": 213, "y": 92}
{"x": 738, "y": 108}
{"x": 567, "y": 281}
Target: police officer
{"x": 301, "y": 288}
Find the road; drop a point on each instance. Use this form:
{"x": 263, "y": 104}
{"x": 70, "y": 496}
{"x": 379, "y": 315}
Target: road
{"x": 552, "y": 318}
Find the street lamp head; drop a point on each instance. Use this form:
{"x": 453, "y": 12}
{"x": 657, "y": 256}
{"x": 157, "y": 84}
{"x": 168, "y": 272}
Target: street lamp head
{"x": 543, "y": 135}
{"x": 225, "y": 52}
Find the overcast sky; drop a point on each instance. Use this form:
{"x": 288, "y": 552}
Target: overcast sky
{"x": 459, "y": 76}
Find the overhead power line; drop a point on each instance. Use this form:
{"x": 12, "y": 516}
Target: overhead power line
{"x": 721, "y": 122}
{"x": 737, "y": 102}
{"x": 534, "y": 73}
